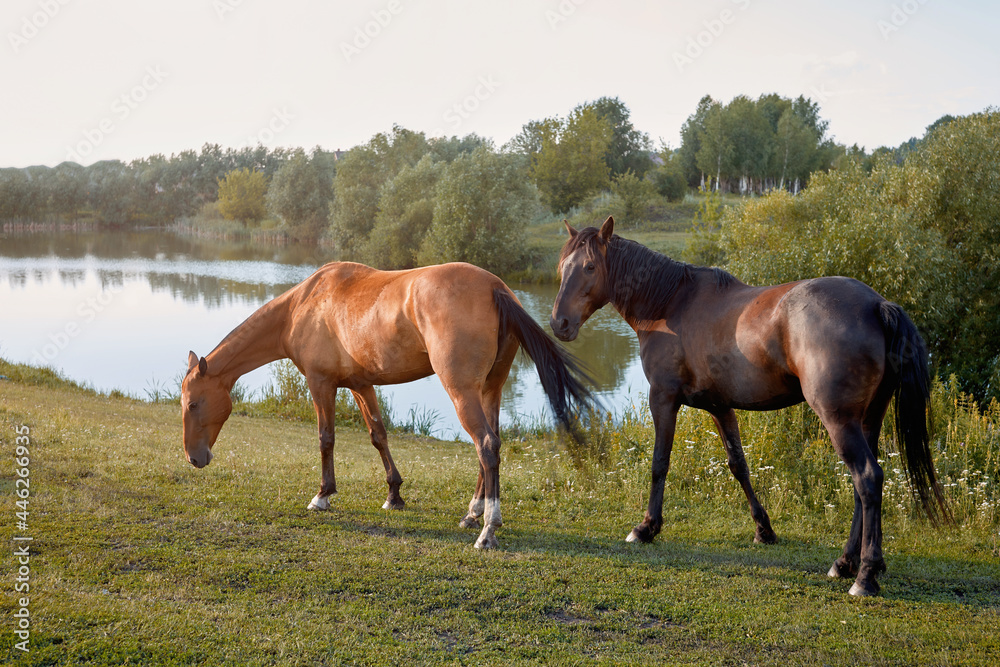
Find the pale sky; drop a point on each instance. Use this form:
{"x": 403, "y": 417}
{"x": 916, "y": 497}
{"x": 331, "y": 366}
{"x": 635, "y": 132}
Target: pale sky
{"x": 124, "y": 79}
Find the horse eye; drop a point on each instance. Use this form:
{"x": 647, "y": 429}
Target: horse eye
{"x": 193, "y": 405}
{"x": 589, "y": 268}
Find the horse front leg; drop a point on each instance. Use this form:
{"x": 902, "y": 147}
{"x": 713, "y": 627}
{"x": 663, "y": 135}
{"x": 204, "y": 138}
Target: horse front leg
{"x": 368, "y": 404}
{"x": 663, "y": 406}
{"x": 325, "y": 402}
{"x": 729, "y": 431}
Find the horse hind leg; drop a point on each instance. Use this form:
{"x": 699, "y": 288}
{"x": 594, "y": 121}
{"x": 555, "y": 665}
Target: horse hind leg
{"x": 863, "y": 550}
{"x": 468, "y": 405}
{"x": 729, "y": 430}
{"x": 849, "y": 563}
{"x": 492, "y": 392}
{"x": 368, "y": 404}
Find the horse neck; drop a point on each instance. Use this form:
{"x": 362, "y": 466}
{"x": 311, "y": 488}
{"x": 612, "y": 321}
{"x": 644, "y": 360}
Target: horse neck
{"x": 643, "y": 282}
{"x": 255, "y": 342}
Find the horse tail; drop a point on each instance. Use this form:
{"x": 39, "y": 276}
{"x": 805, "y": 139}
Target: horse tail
{"x": 906, "y": 356}
{"x": 563, "y": 376}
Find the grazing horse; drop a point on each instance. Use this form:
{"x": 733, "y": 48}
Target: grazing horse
{"x": 709, "y": 341}
{"x": 351, "y": 326}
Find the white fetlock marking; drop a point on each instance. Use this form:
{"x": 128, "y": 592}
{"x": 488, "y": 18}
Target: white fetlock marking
{"x": 476, "y": 507}
{"x": 491, "y": 517}
{"x": 318, "y": 503}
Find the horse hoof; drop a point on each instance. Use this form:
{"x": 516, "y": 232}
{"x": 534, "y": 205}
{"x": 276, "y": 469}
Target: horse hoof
{"x": 488, "y": 542}
{"x": 640, "y": 534}
{"x": 469, "y": 522}
{"x": 765, "y": 538}
{"x": 393, "y": 504}
{"x": 318, "y": 504}
{"x": 864, "y": 591}
{"x": 842, "y": 570}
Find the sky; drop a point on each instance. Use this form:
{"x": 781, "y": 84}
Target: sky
{"x": 88, "y": 80}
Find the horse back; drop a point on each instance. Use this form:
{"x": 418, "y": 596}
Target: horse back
{"x": 382, "y": 327}
{"x": 766, "y": 347}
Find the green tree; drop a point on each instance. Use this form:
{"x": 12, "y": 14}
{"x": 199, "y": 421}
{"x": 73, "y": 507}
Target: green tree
{"x": 300, "y": 193}
{"x": 963, "y": 157}
{"x": 68, "y": 189}
{"x": 751, "y": 139}
{"x": 629, "y": 148}
{"x": 570, "y": 166}
{"x": 483, "y": 204}
{"x": 405, "y": 213}
{"x": 636, "y": 195}
{"x": 669, "y": 178}
{"x": 242, "y": 196}
{"x": 715, "y": 154}
{"x": 794, "y": 148}
{"x": 361, "y": 174}
{"x": 692, "y": 133}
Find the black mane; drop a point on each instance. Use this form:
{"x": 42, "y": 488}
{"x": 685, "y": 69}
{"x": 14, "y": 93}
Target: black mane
{"x": 641, "y": 282}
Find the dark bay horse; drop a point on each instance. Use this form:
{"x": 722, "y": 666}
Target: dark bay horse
{"x": 709, "y": 341}
{"x": 351, "y": 326}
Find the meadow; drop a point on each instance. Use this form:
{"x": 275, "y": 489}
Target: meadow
{"x": 138, "y": 558}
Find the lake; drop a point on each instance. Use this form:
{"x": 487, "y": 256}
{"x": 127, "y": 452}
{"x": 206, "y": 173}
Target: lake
{"x": 121, "y": 309}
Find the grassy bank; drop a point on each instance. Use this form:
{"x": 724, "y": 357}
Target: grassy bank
{"x": 138, "y": 558}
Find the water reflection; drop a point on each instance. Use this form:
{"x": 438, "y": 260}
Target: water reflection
{"x": 121, "y": 310}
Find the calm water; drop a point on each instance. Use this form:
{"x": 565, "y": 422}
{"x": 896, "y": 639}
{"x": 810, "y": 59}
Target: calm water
{"x": 120, "y": 310}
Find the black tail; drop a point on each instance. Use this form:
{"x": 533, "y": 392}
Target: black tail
{"x": 906, "y": 355}
{"x": 563, "y": 376}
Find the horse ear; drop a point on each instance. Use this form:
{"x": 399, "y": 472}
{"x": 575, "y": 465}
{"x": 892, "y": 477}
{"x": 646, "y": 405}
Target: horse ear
{"x": 202, "y": 366}
{"x": 192, "y": 360}
{"x": 607, "y": 229}
{"x": 569, "y": 228}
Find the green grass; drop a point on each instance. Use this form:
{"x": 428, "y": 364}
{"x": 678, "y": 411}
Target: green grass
{"x": 138, "y": 558}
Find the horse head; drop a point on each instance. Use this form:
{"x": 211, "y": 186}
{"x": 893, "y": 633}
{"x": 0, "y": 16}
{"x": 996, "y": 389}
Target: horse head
{"x": 583, "y": 269}
{"x": 206, "y": 405}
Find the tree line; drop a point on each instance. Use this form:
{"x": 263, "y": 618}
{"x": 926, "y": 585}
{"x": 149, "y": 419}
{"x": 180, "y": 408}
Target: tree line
{"x": 151, "y": 191}
{"x": 920, "y": 224}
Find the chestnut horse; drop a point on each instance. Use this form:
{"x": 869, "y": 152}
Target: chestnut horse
{"x": 709, "y": 341}
{"x": 351, "y": 326}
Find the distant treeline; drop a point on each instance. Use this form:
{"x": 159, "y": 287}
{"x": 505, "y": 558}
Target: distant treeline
{"x": 403, "y": 199}
{"x": 155, "y": 190}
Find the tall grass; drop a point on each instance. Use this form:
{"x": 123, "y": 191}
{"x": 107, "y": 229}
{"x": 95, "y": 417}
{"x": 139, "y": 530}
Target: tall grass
{"x": 793, "y": 464}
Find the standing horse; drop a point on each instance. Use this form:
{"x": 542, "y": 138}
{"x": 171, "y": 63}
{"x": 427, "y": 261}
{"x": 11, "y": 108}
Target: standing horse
{"x": 351, "y": 326}
{"x": 709, "y": 341}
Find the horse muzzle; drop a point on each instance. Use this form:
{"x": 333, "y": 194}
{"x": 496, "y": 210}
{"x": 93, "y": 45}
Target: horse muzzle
{"x": 564, "y": 329}
{"x": 201, "y": 459}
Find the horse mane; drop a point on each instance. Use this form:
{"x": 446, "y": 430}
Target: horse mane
{"x": 642, "y": 282}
